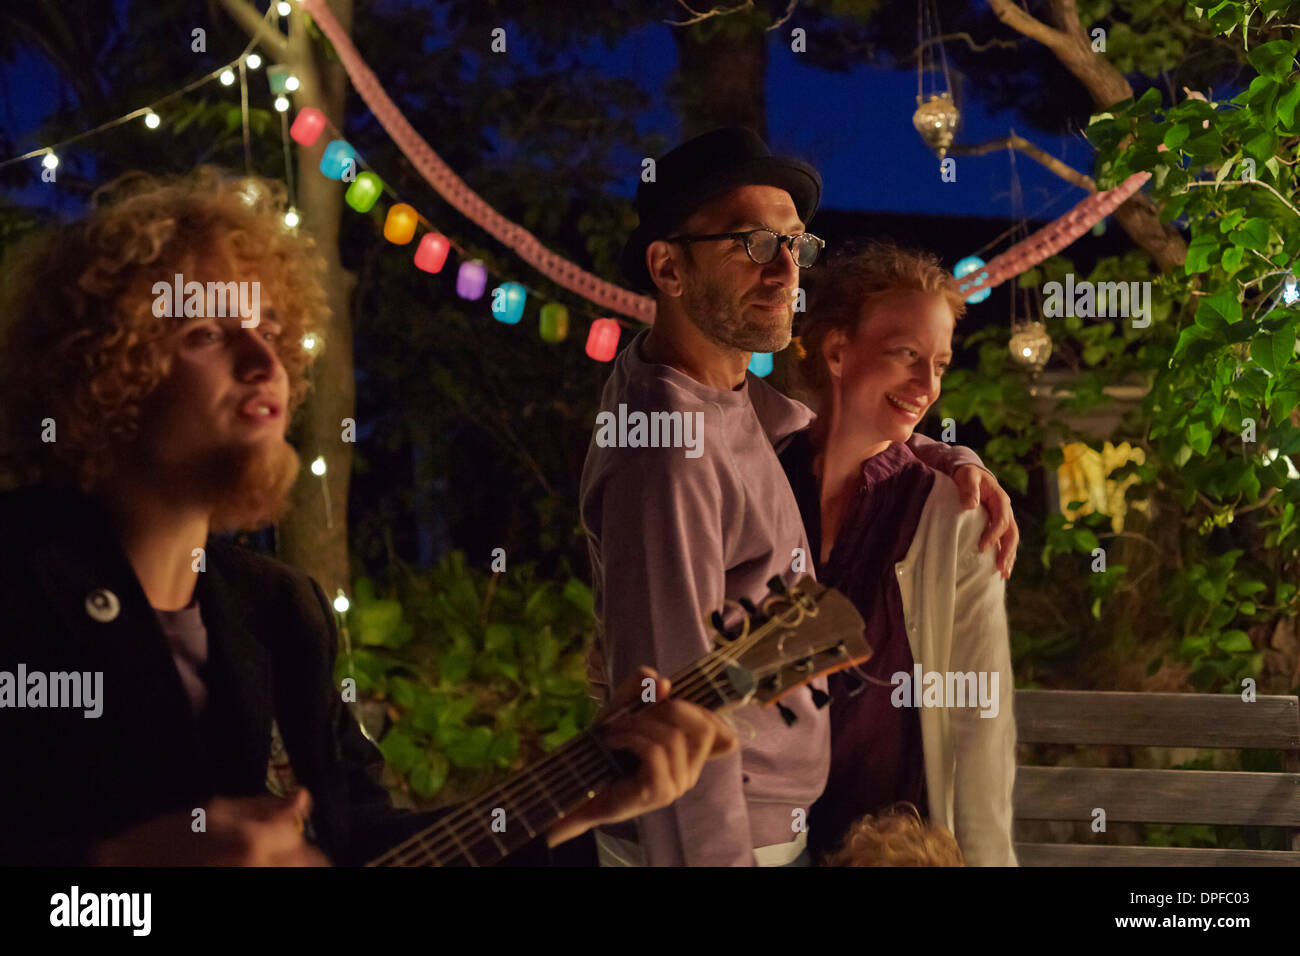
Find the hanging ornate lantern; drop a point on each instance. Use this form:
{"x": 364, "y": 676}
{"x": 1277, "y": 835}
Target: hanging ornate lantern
{"x": 1031, "y": 346}
{"x": 936, "y": 120}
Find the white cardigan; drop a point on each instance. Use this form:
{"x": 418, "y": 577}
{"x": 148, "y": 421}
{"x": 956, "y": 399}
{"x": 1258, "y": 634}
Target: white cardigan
{"x": 954, "y": 604}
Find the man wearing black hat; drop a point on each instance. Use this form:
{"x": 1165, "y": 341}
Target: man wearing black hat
{"x": 699, "y": 510}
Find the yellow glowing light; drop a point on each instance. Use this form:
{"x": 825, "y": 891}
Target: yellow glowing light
{"x": 341, "y": 603}
{"x": 318, "y": 466}
{"x": 291, "y": 83}
{"x": 281, "y": 104}
{"x": 227, "y": 77}
{"x": 253, "y": 61}
{"x": 50, "y": 161}
{"x": 291, "y": 218}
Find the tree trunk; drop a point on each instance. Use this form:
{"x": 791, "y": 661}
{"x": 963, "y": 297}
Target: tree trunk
{"x": 309, "y": 538}
{"x": 1138, "y": 216}
{"x": 721, "y": 75}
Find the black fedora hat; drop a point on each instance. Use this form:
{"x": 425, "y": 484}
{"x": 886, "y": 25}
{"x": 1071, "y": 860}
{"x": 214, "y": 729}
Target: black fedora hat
{"x": 699, "y": 169}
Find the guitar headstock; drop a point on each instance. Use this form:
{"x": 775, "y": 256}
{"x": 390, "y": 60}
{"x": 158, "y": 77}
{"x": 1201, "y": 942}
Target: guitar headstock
{"x": 797, "y": 633}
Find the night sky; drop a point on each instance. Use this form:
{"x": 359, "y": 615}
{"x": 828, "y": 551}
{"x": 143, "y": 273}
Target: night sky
{"x": 855, "y": 127}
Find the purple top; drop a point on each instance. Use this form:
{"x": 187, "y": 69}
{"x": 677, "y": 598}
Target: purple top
{"x": 672, "y": 532}
{"x": 877, "y": 756}
{"x": 187, "y": 639}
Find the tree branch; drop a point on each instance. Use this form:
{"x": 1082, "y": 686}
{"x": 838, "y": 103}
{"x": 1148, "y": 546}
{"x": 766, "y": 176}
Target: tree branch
{"x": 1033, "y": 152}
{"x": 970, "y": 42}
{"x": 255, "y": 24}
{"x": 697, "y": 16}
{"x": 1019, "y": 20}
{"x": 1247, "y": 182}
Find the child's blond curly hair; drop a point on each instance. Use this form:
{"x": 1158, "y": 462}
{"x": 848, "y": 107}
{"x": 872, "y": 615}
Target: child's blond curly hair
{"x": 897, "y": 837}
{"x": 80, "y": 344}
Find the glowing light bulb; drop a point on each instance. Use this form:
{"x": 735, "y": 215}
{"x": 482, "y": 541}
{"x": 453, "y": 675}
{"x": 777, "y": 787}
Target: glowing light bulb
{"x": 318, "y": 466}
{"x": 291, "y": 218}
{"x": 291, "y": 83}
{"x": 341, "y": 603}
{"x": 281, "y": 104}
{"x": 227, "y": 77}
{"x": 50, "y": 161}
{"x": 283, "y": 8}
{"x": 253, "y": 61}
{"x": 151, "y": 120}
{"x": 310, "y": 342}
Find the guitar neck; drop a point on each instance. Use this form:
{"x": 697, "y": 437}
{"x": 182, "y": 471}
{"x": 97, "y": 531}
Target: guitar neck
{"x": 508, "y": 816}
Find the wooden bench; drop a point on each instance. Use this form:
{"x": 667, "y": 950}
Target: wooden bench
{"x": 1158, "y": 796}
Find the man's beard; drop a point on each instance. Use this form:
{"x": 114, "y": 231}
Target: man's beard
{"x": 723, "y": 321}
{"x": 248, "y": 485}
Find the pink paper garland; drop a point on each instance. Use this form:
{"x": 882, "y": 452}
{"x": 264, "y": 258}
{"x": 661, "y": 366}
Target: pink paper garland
{"x": 453, "y": 189}
{"x": 1053, "y": 237}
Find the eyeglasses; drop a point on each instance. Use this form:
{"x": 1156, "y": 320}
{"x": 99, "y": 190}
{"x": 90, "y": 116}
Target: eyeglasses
{"x": 763, "y": 245}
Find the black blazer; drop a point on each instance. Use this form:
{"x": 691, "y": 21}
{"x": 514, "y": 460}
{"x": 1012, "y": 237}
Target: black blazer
{"x": 70, "y": 780}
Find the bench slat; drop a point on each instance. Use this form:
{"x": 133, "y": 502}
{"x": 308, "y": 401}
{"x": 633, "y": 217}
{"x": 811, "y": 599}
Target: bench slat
{"x": 1158, "y": 796}
{"x": 1075, "y": 854}
{"x": 1157, "y": 720}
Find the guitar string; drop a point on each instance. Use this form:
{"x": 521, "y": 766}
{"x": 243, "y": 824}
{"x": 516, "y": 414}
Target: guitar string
{"x": 423, "y": 846}
{"x": 421, "y": 843}
{"x": 455, "y": 824}
{"x": 534, "y": 791}
{"x": 594, "y": 761}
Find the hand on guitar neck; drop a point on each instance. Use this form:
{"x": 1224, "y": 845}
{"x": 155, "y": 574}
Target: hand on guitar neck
{"x": 672, "y": 740}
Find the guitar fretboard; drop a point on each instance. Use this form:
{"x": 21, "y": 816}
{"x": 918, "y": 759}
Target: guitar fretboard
{"x": 508, "y": 816}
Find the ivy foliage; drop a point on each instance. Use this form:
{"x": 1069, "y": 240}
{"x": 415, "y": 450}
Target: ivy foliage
{"x": 1218, "y": 364}
{"x": 480, "y": 673}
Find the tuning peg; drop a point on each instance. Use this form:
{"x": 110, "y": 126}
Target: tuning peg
{"x": 820, "y": 697}
{"x": 786, "y": 714}
{"x": 777, "y": 584}
{"x": 748, "y": 605}
{"x": 716, "y": 619}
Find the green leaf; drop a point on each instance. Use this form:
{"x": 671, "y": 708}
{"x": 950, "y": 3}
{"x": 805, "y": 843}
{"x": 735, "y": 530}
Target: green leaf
{"x": 1234, "y": 642}
{"x": 1198, "y": 436}
{"x": 1176, "y": 135}
{"x": 1273, "y": 59}
{"x": 1286, "y": 106}
{"x": 580, "y": 596}
{"x": 1201, "y": 253}
{"x": 1253, "y": 234}
{"x": 1272, "y": 351}
{"x": 1223, "y": 303}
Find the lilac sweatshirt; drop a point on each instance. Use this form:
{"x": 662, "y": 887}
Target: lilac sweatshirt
{"x": 672, "y": 532}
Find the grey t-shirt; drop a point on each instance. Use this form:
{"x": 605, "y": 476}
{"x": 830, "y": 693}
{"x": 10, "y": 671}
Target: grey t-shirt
{"x": 188, "y": 640}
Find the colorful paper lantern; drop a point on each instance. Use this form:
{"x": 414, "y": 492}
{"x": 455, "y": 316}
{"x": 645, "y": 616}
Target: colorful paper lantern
{"x": 278, "y": 77}
{"x": 602, "y": 339}
{"x": 508, "y": 302}
{"x": 338, "y": 158}
{"x": 554, "y": 322}
{"x": 760, "y": 363}
{"x": 471, "y": 280}
{"x": 307, "y": 126}
{"x": 365, "y": 192}
{"x": 431, "y": 254}
{"x": 966, "y": 267}
{"x": 399, "y": 225}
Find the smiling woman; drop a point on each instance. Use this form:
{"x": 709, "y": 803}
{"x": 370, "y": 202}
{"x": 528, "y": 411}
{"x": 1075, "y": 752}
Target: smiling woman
{"x": 84, "y": 345}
